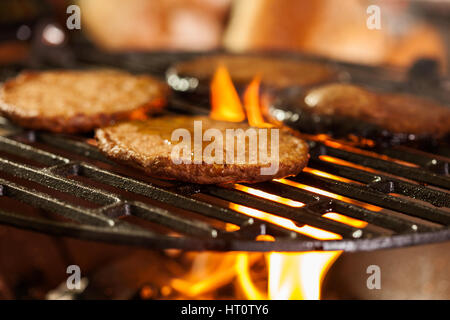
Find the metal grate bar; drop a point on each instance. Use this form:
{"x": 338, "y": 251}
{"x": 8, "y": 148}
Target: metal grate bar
{"x": 175, "y": 199}
{"x": 163, "y": 195}
{"x": 146, "y": 189}
{"x": 165, "y": 218}
{"x": 377, "y": 198}
{"x": 428, "y": 161}
{"x": 109, "y": 223}
{"x": 418, "y": 174}
{"x": 301, "y": 215}
{"x": 46, "y": 202}
{"x": 74, "y": 146}
{"x": 106, "y": 234}
{"x": 29, "y": 152}
{"x": 46, "y": 178}
{"x": 311, "y": 213}
{"x": 385, "y": 184}
{"x": 376, "y": 218}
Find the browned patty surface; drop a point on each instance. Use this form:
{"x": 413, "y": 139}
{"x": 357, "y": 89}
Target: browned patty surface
{"x": 398, "y": 113}
{"x": 276, "y": 72}
{"x": 147, "y": 145}
{"x": 76, "y": 101}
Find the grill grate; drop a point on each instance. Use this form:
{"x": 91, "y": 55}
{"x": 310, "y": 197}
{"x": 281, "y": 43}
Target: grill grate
{"x": 105, "y": 221}
{"x": 71, "y": 189}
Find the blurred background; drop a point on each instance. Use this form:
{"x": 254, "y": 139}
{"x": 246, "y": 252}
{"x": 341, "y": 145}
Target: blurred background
{"x": 410, "y": 29}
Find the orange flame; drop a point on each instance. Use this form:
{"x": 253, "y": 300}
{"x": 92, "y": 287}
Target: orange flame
{"x": 298, "y": 276}
{"x": 253, "y": 106}
{"x": 225, "y": 102}
{"x": 290, "y": 275}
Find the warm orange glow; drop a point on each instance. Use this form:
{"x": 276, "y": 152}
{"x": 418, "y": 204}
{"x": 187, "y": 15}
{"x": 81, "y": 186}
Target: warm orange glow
{"x": 328, "y": 194}
{"x": 166, "y": 291}
{"x": 309, "y": 188}
{"x": 92, "y": 142}
{"x": 225, "y": 102}
{"x": 361, "y": 141}
{"x": 290, "y": 275}
{"x": 245, "y": 280}
{"x": 266, "y": 195}
{"x": 265, "y": 237}
{"x": 330, "y": 215}
{"x": 307, "y": 230}
{"x": 253, "y": 106}
{"x": 231, "y": 227}
{"x": 345, "y": 163}
{"x": 138, "y": 114}
{"x": 348, "y": 146}
{"x": 344, "y": 219}
{"x": 298, "y": 276}
{"x": 209, "y": 272}
{"x": 147, "y": 292}
{"x": 327, "y": 175}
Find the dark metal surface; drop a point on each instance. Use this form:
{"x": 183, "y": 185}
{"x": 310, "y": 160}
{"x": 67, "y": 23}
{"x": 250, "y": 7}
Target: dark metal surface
{"x": 65, "y": 177}
{"x": 105, "y": 221}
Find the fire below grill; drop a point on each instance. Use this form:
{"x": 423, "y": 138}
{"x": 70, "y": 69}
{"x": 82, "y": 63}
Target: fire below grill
{"x": 357, "y": 196}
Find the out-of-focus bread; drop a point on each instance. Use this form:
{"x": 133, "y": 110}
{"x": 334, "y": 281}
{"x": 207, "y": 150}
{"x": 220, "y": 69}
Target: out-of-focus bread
{"x": 154, "y": 24}
{"x": 335, "y": 29}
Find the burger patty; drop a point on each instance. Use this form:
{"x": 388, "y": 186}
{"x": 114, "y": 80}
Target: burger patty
{"x": 147, "y": 145}
{"x": 397, "y": 113}
{"x": 77, "y": 101}
{"x": 275, "y": 72}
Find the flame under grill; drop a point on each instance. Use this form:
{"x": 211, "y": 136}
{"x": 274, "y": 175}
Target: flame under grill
{"x": 62, "y": 185}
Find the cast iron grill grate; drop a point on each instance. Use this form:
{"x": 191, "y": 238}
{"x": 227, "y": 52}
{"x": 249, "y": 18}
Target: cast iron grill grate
{"x": 419, "y": 215}
{"x": 63, "y": 186}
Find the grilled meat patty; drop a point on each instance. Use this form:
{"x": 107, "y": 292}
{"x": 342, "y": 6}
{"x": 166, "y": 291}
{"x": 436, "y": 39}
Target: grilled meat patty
{"x": 398, "y": 113}
{"x": 77, "y": 101}
{"x": 147, "y": 145}
{"x": 274, "y": 72}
